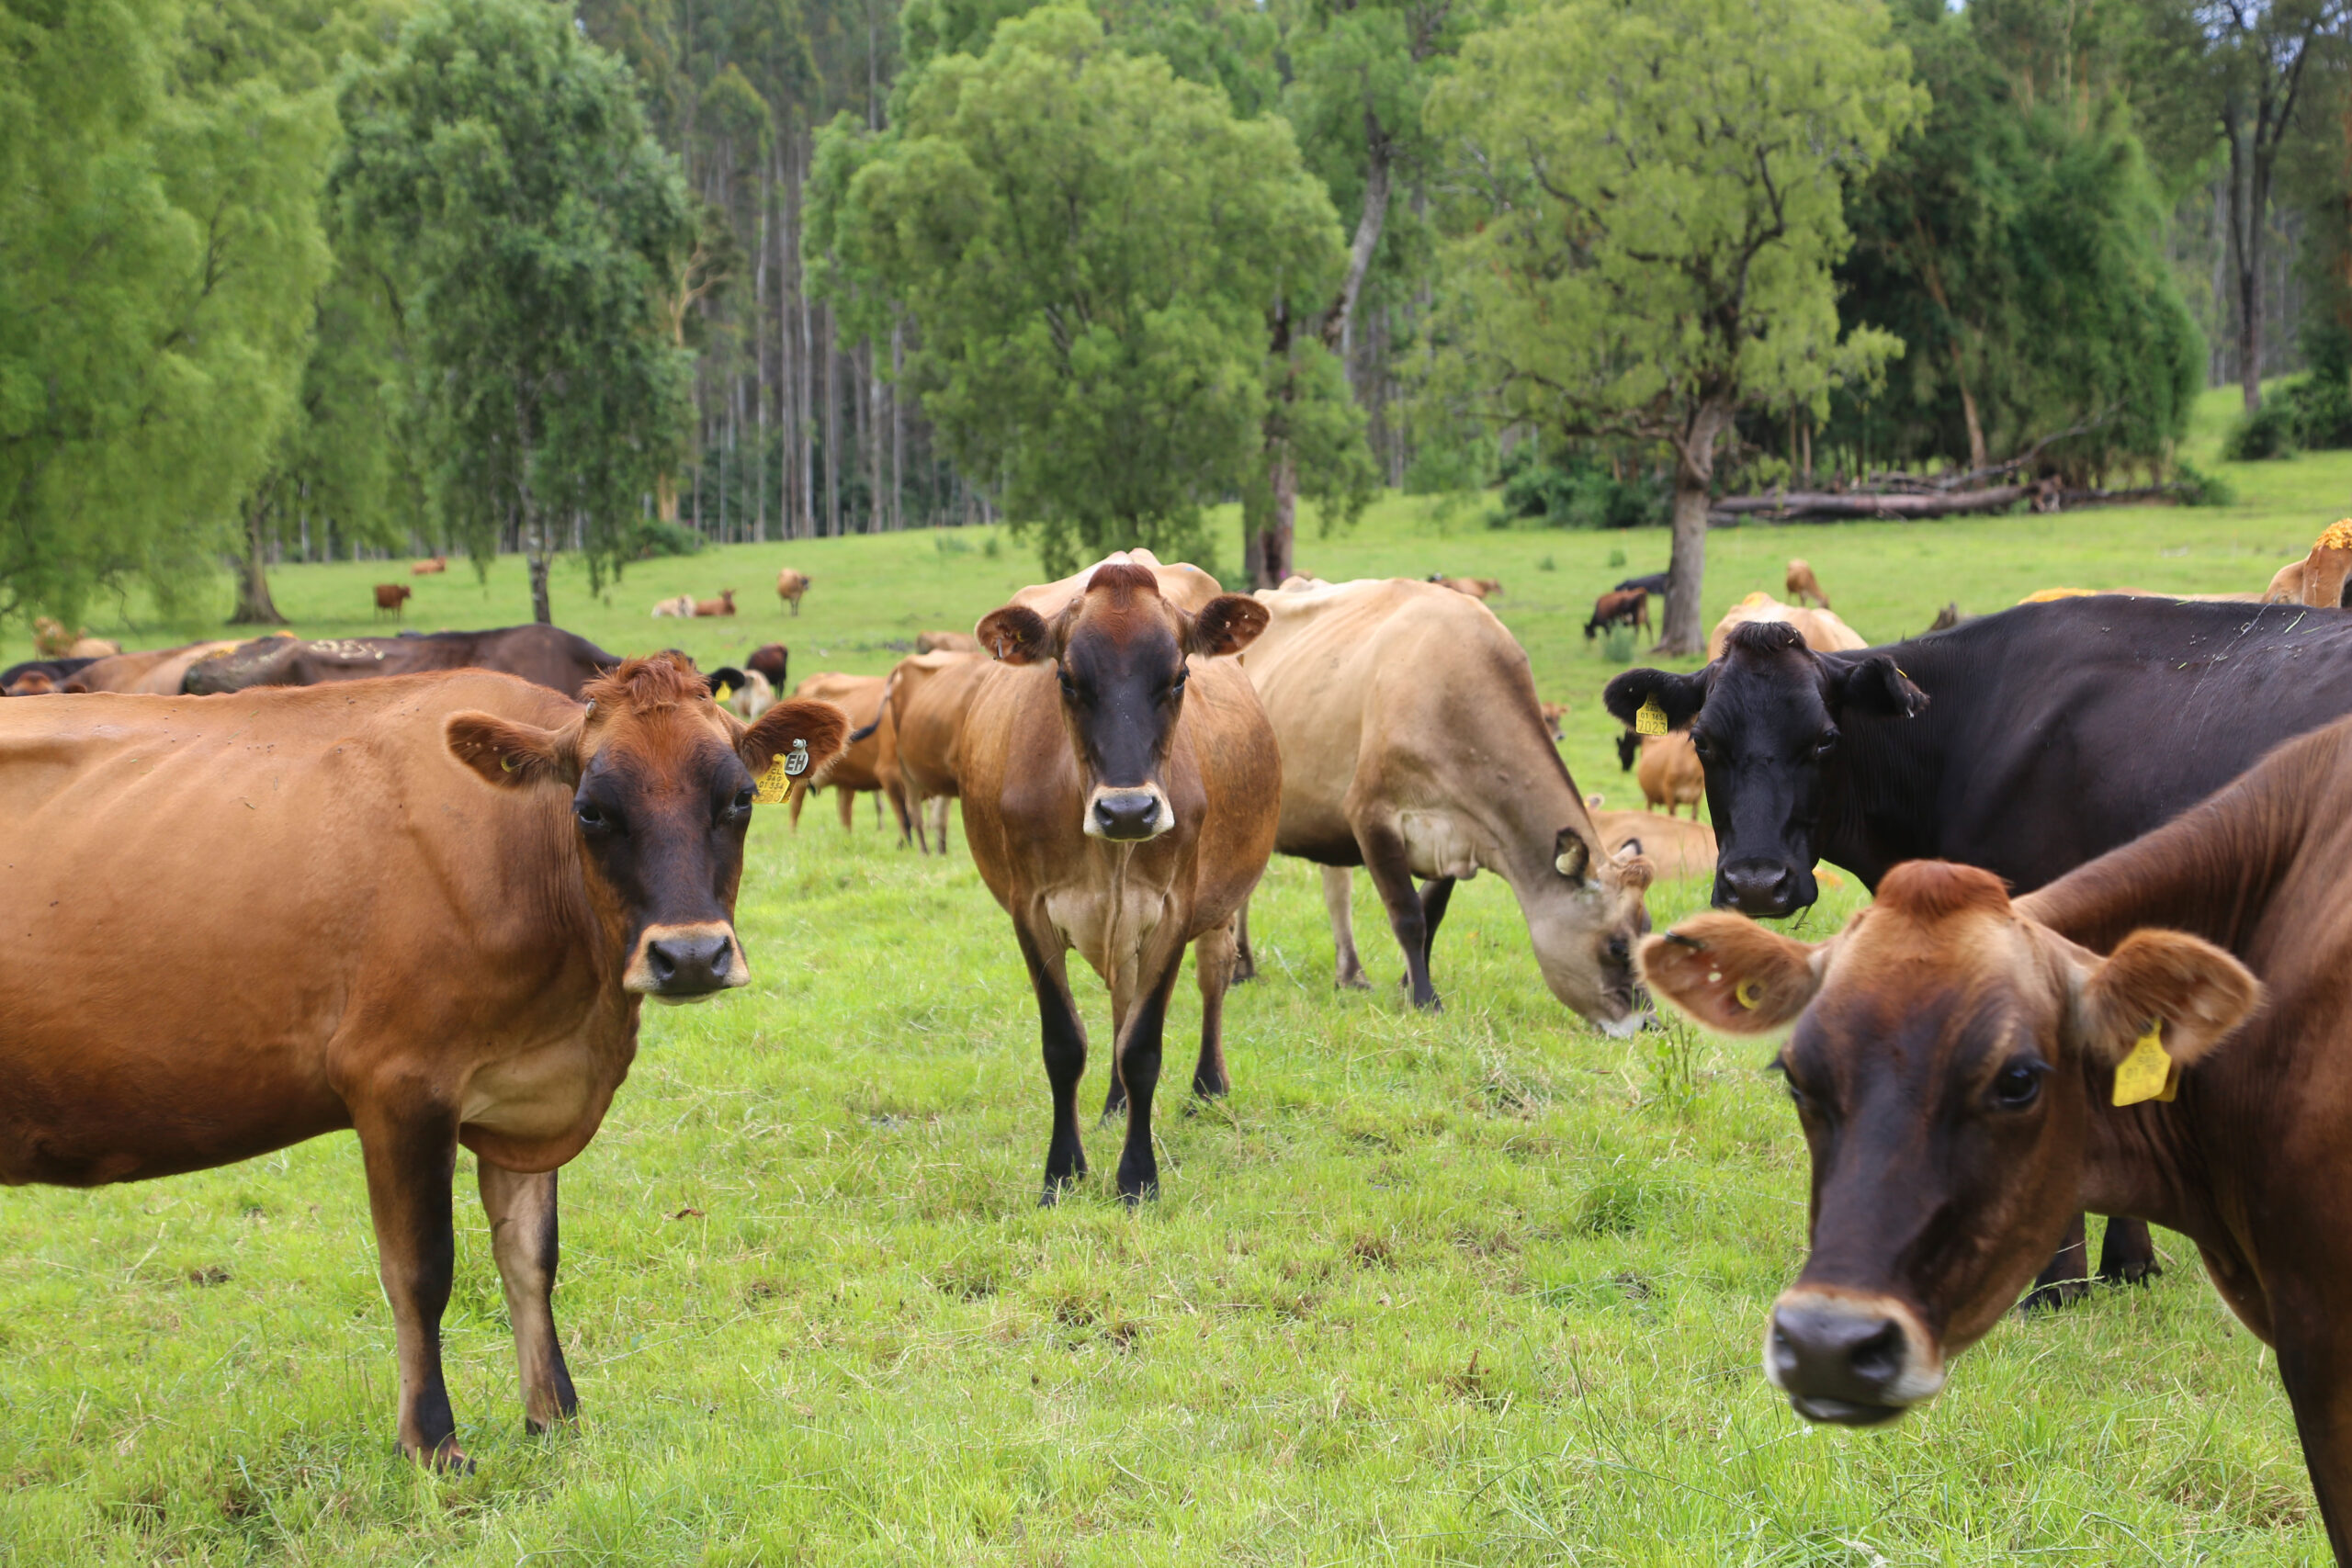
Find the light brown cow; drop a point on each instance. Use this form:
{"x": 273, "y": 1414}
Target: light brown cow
{"x": 2321, "y": 578}
{"x": 790, "y": 585}
{"x": 1120, "y": 785}
{"x": 930, "y": 695}
{"x": 1674, "y": 848}
{"x": 1554, "y": 715}
{"x": 392, "y": 596}
{"x": 946, "y": 642}
{"x": 429, "y": 566}
{"x": 1802, "y": 586}
{"x": 93, "y": 648}
{"x": 51, "y": 640}
{"x": 869, "y": 761}
{"x": 1412, "y": 745}
{"x": 427, "y": 908}
{"x": 1822, "y": 631}
{"x": 722, "y": 605}
{"x": 157, "y": 673}
{"x": 1479, "y": 588}
{"x": 1669, "y": 774}
{"x": 678, "y": 606}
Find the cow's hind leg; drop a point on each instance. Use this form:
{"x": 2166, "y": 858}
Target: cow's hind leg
{"x": 2067, "y": 1276}
{"x": 1436, "y": 894}
{"x": 522, "y": 1210}
{"x": 1213, "y": 969}
{"x": 1339, "y": 904}
{"x": 411, "y": 1155}
{"x": 1064, "y": 1038}
{"x": 1392, "y": 876}
{"x": 2128, "y": 1253}
{"x": 1138, "y": 1068}
{"x": 1245, "y": 963}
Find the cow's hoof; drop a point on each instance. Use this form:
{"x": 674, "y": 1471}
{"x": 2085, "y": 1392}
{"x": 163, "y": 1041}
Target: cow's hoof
{"x": 444, "y": 1457}
{"x": 1355, "y": 982}
{"x": 1208, "y": 1090}
{"x": 2051, "y": 1298}
{"x": 1137, "y": 1187}
{"x": 2133, "y": 1273}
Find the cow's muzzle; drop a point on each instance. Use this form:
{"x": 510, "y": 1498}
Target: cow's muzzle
{"x": 1128, "y": 815}
{"x": 685, "y": 963}
{"x": 1763, "y": 889}
{"x": 1851, "y": 1359}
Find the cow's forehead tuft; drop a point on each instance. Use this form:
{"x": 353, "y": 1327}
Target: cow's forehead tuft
{"x": 640, "y": 685}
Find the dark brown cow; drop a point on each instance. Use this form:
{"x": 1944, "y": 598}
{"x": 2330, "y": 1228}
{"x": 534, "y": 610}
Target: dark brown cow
{"x": 545, "y": 655}
{"x": 392, "y": 596}
{"x": 1955, "y": 1062}
{"x": 427, "y": 909}
{"x": 38, "y": 677}
{"x": 1121, "y": 790}
{"x": 771, "y": 659}
{"x": 1629, "y": 606}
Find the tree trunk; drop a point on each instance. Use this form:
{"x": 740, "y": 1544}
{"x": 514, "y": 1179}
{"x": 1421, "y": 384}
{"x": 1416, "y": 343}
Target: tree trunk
{"x": 2247, "y": 204}
{"x": 1275, "y": 561}
{"x": 1695, "y": 473}
{"x": 255, "y": 607}
{"x": 1977, "y": 456}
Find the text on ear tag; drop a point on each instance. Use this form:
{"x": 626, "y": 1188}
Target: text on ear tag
{"x": 773, "y": 788}
{"x": 2148, "y": 1073}
{"x": 796, "y": 761}
{"x": 1650, "y": 719}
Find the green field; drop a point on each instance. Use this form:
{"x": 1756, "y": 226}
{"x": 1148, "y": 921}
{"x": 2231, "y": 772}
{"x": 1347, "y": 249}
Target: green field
{"x": 1478, "y": 1288}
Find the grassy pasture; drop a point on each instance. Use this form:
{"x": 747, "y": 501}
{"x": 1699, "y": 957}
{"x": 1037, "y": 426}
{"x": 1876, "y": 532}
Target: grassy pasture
{"x": 1479, "y": 1288}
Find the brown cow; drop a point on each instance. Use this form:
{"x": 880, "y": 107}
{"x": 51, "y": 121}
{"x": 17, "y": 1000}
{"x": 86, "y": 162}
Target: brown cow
{"x": 1957, "y": 1057}
{"x": 1628, "y": 605}
{"x": 38, "y": 677}
{"x": 1475, "y": 587}
{"x": 930, "y": 695}
{"x": 427, "y": 909}
{"x": 870, "y": 758}
{"x": 1120, "y": 796}
{"x": 1668, "y": 773}
{"x": 1412, "y": 746}
{"x": 722, "y": 605}
{"x": 429, "y": 566}
{"x": 51, "y": 640}
{"x": 87, "y": 646}
{"x": 157, "y": 673}
{"x": 548, "y": 655}
{"x": 946, "y": 642}
{"x": 1802, "y": 586}
{"x": 2321, "y": 579}
{"x": 1554, "y": 715}
{"x": 790, "y": 585}
{"x": 771, "y": 659}
{"x": 392, "y": 596}
{"x": 1674, "y": 848}
{"x": 1822, "y": 631}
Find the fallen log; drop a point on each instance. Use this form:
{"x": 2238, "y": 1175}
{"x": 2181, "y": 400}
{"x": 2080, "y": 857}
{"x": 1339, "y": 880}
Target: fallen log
{"x": 1827, "y": 504}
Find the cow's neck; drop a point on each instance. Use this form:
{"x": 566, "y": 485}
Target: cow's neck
{"x": 1880, "y": 789}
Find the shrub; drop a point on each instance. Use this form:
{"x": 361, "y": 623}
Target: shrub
{"x": 2267, "y": 431}
{"x": 653, "y": 537}
{"x": 2199, "y": 488}
{"x": 2319, "y": 410}
{"x": 1581, "y": 494}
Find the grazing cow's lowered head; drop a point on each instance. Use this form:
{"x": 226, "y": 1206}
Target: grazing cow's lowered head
{"x": 660, "y": 784}
{"x": 1949, "y": 1054}
{"x": 1764, "y": 719}
{"x": 1121, "y": 650}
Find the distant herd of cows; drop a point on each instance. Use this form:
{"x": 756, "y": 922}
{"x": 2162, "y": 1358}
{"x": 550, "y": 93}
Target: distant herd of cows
{"x": 420, "y": 887}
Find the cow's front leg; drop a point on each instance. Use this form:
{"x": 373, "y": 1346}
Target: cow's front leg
{"x": 1339, "y": 908}
{"x": 2317, "y": 1372}
{"x": 1064, "y": 1039}
{"x": 1385, "y": 856}
{"x": 2127, "y": 1256}
{"x": 1138, "y": 1070}
{"x": 410, "y": 1148}
{"x": 1244, "y": 961}
{"x": 2066, "y": 1277}
{"x": 522, "y": 1210}
{"x": 1436, "y": 894}
{"x": 1213, "y": 969}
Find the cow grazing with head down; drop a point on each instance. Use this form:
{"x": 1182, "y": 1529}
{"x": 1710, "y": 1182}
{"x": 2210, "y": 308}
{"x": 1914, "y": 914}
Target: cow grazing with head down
{"x": 1120, "y": 787}
{"x": 1802, "y": 586}
{"x": 427, "y": 909}
{"x": 1957, "y": 1059}
{"x": 1627, "y": 607}
{"x": 1412, "y": 745}
{"x": 547, "y": 655}
{"x": 2056, "y": 732}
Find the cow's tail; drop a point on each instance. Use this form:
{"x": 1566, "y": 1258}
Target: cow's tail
{"x": 879, "y": 709}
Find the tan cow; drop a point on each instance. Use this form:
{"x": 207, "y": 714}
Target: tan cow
{"x": 1802, "y": 586}
{"x": 1120, "y": 784}
{"x": 1479, "y": 588}
{"x": 1822, "y": 631}
{"x": 427, "y": 908}
{"x": 790, "y": 585}
{"x": 2320, "y": 578}
{"x": 680, "y": 606}
{"x": 1674, "y": 848}
{"x": 428, "y": 567}
{"x": 1669, "y": 774}
{"x": 870, "y": 759}
{"x": 1412, "y": 745}
{"x": 157, "y": 673}
{"x": 722, "y": 605}
{"x": 93, "y": 648}
{"x": 946, "y": 642}
{"x": 930, "y": 695}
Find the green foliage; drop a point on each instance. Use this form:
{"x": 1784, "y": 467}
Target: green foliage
{"x": 2198, "y": 488}
{"x": 1579, "y": 492}
{"x": 2267, "y": 431}
{"x": 2014, "y": 245}
{"x": 159, "y": 249}
{"x": 1086, "y": 246}
{"x": 650, "y": 537}
{"x": 504, "y": 168}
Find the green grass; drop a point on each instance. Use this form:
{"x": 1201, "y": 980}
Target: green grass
{"x": 1480, "y": 1287}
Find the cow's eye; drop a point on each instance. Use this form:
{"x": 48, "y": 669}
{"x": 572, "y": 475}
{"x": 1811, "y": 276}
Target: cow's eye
{"x": 1070, "y": 687}
{"x": 1703, "y": 746}
{"x": 744, "y": 798}
{"x": 2018, "y": 1084}
{"x": 590, "y": 814}
{"x": 1621, "y": 951}
{"x": 1177, "y": 688}
{"x": 1826, "y": 744}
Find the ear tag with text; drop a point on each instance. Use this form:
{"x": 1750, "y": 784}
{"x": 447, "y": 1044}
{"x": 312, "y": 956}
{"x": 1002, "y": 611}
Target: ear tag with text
{"x": 1650, "y": 718}
{"x": 2148, "y": 1073}
{"x": 775, "y": 785}
{"x": 796, "y": 761}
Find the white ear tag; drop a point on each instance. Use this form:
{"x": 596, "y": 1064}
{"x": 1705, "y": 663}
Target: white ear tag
{"x": 796, "y": 763}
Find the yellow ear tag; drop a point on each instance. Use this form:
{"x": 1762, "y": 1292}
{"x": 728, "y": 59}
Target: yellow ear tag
{"x": 724, "y": 692}
{"x": 2148, "y": 1073}
{"x": 773, "y": 787}
{"x": 1747, "y": 994}
{"x": 1650, "y": 719}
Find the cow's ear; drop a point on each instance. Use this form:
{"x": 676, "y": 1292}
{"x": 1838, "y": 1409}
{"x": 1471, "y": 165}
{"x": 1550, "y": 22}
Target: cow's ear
{"x": 514, "y": 755}
{"x": 1680, "y": 697}
{"x": 1226, "y": 624}
{"x": 1876, "y": 685}
{"x": 1731, "y": 974}
{"x": 823, "y": 726}
{"x": 724, "y": 682}
{"x": 1017, "y": 634}
{"x": 2197, "y": 991}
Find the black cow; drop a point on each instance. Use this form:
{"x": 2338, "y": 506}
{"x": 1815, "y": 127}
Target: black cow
{"x": 1654, "y": 584}
{"x": 37, "y": 677}
{"x": 547, "y": 656}
{"x": 2024, "y": 742}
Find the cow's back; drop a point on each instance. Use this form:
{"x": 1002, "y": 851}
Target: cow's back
{"x": 204, "y": 896}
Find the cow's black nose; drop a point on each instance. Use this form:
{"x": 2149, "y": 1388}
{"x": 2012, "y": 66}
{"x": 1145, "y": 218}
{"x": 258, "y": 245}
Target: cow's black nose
{"x": 1130, "y": 815}
{"x": 690, "y": 964}
{"x": 1839, "y": 1366}
{"x": 1755, "y": 887}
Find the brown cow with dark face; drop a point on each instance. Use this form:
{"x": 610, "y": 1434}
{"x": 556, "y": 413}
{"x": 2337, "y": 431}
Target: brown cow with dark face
{"x": 427, "y": 908}
{"x": 1121, "y": 789}
{"x": 1957, "y": 1057}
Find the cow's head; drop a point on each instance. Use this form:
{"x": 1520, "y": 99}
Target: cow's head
{"x": 1765, "y": 720}
{"x": 659, "y": 780}
{"x": 1120, "y": 649}
{"x": 1948, "y": 1056}
{"x": 1584, "y": 913}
